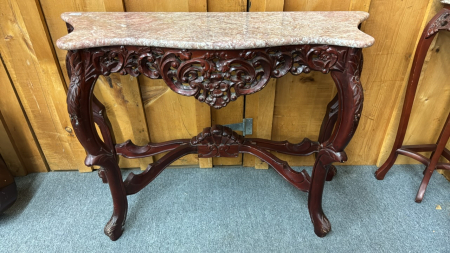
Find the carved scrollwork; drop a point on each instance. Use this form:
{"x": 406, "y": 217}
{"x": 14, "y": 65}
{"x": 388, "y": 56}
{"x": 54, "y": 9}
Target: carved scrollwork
{"x": 215, "y": 77}
{"x": 303, "y": 59}
{"x": 217, "y": 141}
{"x": 320, "y": 58}
{"x": 74, "y": 92}
{"x": 350, "y": 101}
{"x": 441, "y": 23}
{"x": 354, "y": 66}
{"x": 81, "y": 69}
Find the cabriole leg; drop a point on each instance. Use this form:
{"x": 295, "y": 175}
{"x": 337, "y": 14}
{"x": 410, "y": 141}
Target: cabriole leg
{"x": 321, "y": 223}
{"x": 350, "y": 96}
{"x": 83, "y": 76}
{"x": 326, "y": 129}
{"x": 113, "y": 176}
{"x": 99, "y": 114}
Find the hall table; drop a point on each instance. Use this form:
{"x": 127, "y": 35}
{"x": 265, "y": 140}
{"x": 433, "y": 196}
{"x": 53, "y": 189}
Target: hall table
{"x": 214, "y": 57}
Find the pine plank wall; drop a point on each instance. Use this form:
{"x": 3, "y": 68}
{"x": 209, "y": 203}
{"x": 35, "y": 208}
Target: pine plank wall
{"x": 35, "y": 131}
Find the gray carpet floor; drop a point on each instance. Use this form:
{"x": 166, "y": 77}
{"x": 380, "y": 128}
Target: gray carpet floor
{"x": 231, "y": 209}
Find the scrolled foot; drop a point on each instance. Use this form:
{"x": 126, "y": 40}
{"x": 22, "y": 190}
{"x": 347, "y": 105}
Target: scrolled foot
{"x": 114, "y": 229}
{"x": 322, "y": 225}
{"x": 332, "y": 171}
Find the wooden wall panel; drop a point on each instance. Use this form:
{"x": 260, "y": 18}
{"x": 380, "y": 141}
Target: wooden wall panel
{"x": 169, "y": 115}
{"x": 123, "y": 102}
{"x": 120, "y": 94}
{"x": 30, "y": 60}
{"x": 20, "y": 130}
{"x": 432, "y": 103}
{"x": 155, "y": 5}
{"x": 259, "y": 107}
{"x": 317, "y": 5}
{"x": 9, "y": 151}
{"x": 395, "y": 26}
{"x": 142, "y": 109}
{"x": 360, "y": 5}
{"x": 386, "y": 69}
{"x": 227, "y": 6}
{"x": 266, "y": 5}
{"x": 300, "y": 101}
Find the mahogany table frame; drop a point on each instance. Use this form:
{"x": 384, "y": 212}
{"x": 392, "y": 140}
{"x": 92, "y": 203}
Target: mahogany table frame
{"x": 226, "y": 75}
{"x": 441, "y": 21}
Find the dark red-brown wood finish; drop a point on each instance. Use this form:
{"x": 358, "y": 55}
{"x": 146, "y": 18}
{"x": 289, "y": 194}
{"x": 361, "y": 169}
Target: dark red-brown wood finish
{"x": 441, "y": 21}
{"x": 216, "y": 78}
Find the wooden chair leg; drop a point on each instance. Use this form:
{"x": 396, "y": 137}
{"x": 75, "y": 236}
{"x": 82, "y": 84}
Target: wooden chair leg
{"x": 442, "y": 141}
{"x": 423, "y": 186}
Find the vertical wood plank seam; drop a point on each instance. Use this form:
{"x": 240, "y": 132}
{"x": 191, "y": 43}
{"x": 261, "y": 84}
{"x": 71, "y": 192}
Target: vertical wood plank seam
{"x": 52, "y": 46}
{"x": 152, "y": 158}
{"x": 39, "y": 72}
{"x": 140, "y": 93}
{"x": 41, "y": 153}
{"x": 16, "y": 171}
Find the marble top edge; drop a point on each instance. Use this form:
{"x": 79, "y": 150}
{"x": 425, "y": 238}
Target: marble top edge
{"x": 445, "y": 1}
{"x": 214, "y": 30}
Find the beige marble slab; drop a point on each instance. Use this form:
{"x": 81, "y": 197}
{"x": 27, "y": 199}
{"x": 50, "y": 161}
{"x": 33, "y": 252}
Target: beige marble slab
{"x": 214, "y": 30}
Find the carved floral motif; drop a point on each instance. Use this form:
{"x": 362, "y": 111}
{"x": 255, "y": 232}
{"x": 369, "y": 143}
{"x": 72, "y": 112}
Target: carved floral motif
{"x": 215, "y": 77}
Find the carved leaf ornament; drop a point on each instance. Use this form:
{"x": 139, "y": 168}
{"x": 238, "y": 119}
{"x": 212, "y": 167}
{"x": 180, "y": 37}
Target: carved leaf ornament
{"x": 211, "y": 76}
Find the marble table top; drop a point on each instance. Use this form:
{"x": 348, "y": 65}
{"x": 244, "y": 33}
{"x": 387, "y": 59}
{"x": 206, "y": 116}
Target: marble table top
{"x": 214, "y": 30}
{"x": 445, "y": 1}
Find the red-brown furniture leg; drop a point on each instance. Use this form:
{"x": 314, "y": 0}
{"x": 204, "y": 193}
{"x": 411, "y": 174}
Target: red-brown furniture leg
{"x": 442, "y": 141}
{"x": 350, "y": 96}
{"x": 326, "y": 129}
{"x": 436, "y": 23}
{"x": 79, "y": 98}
